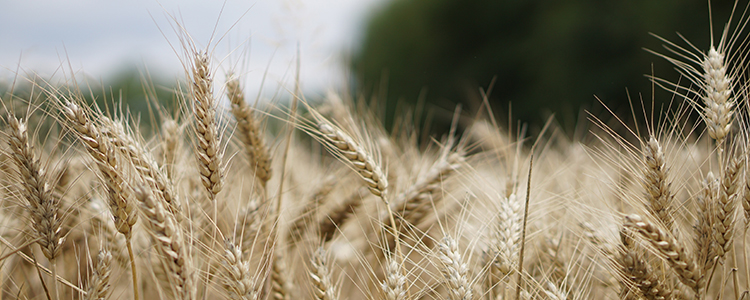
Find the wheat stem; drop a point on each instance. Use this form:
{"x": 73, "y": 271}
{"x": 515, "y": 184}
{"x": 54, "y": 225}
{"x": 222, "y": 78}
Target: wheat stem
{"x": 133, "y": 272}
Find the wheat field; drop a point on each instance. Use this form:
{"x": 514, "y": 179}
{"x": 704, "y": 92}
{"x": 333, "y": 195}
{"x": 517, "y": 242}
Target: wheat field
{"x": 227, "y": 197}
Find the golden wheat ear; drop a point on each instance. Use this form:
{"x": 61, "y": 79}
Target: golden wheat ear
{"x": 672, "y": 250}
{"x": 249, "y": 131}
{"x": 207, "y": 144}
{"x": 320, "y": 274}
{"x": 454, "y": 269}
{"x": 42, "y": 204}
{"x": 171, "y": 245}
{"x": 239, "y": 281}
{"x": 99, "y": 282}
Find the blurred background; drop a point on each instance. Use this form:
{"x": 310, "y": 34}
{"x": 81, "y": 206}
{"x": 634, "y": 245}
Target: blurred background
{"x": 536, "y": 57}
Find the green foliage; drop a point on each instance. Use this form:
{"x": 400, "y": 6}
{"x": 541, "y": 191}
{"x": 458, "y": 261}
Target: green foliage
{"x": 546, "y": 56}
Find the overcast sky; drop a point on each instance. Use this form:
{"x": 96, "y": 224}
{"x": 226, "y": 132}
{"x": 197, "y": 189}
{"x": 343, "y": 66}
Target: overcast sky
{"x": 98, "y": 37}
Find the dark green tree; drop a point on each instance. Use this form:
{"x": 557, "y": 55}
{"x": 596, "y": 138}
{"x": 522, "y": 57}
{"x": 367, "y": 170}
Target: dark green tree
{"x": 546, "y": 56}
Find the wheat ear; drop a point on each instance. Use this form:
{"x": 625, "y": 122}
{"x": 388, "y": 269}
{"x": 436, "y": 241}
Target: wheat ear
{"x": 369, "y": 169}
{"x": 170, "y": 244}
{"x": 108, "y": 236}
{"x": 717, "y": 88}
{"x": 417, "y": 200}
{"x": 206, "y": 129}
{"x": 454, "y": 270}
{"x": 144, "y": 162}
{"x": 658, "y": 194}
{"x": 43, "y": 206}
{"x": 100, "y": 149}
{"x": 307, "y": 214}
{"x": 506, "y": 235}
{"x": 324, "y": 288}
{"x": 240, "y": 282}
{"x": 99, "y": 280}
{"x": 704, "y": 242}
{"x": 637, "y": 273}
{"x": 170, "y": 132}
{"x": 393, "y": 285}
{"x": 117, "y": 190}
{"x": 670, "y": 248}
{"x": 280, "y": 285}
{"x": 334, "y": 219}
{"x": 726, "y": 208}
{"x": 249, "y": 131}
{"x": 359, "y": 159}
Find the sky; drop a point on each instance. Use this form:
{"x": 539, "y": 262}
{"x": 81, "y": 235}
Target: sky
{"x": 95, "y": 38}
